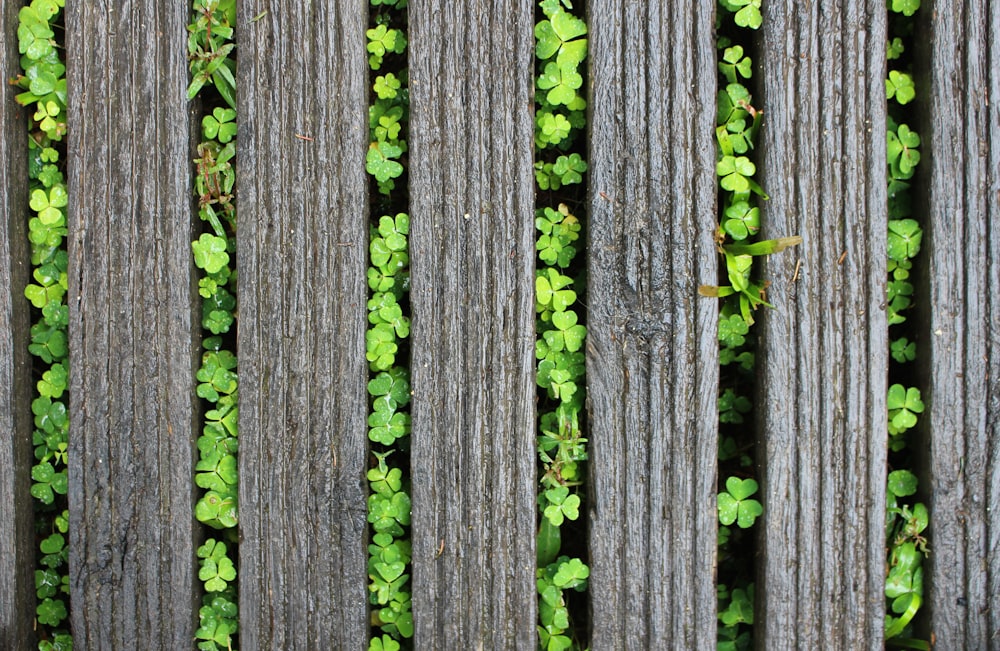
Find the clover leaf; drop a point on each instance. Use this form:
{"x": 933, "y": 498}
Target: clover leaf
{"x": 902, "y": 152}
{"x": 389, "y": 513}
{"x": 217, "y": 510}
{"x": 747, "y": 12}
{"x": 561, "y": 505}
{"x": 905, "y": 7}
{"x": 210, "y": 252}
{"x": 551, "y": 128}
{"x": 218, "y": 623}
{"x": 572, "y": 573}
{"x": 220, "y": 124}
{"x": 905, "y": 236}
{"x": 383, "y": 479}
{"x": 732, "y": 330}
{"x": 900, "y": 85}
{"x": 561, "y": 81}
{"x": 217, "y": 569}
{"x": 385, "y": 426}
{"x": 217, "y": 471}
{"x": 51, "y": 612}
{"x": 903, "y": 404}
{"x": 387, "y": 86}
{"x": 741, "y": 220}
{"x": 734, "y": 504}
{"x": 735, "y": 172}
{"x": 380, "y": 346}
{"x": 734, "y": 64}
{"x": 903, "y": 350}
{"x": 34, "y": 34}
{"x": 380, "y": 161}
{"x": 739, "y": 610}
{"x": 384, "y": 643}
{"x": 383, "y": 40}
{"x": 570, "y": 168}
{"x": 48, "y": 482}
{"x": 55, "y": 551}
{"x": 48, "y": 205}
{"x": 53, "y": 382}
{"x": 559, "y": 36}
{"x": 551, "y": 291}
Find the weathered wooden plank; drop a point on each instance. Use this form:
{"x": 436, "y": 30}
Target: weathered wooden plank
{"x": 823, "y": 351}
{"x": 652, "y": 352}
{"x": 131, "y": 351}
{"x": 472, "y": 292}
{"x": 302, "y": 243}
{"x": 16, "y": 531}
{"x": 963, "y": 343}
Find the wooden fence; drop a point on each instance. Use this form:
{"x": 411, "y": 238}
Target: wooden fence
{"x": 652, "y": 359}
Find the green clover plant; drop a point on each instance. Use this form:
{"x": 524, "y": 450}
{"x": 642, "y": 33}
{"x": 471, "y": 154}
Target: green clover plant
{"x": 389, "y": 327}
{"x": 907, "y": 518}
{"x": 42, "y": 82}
{"x": 212, "y": 64}
{"x": 560, "y": 52}
{"x": 738, "y": 123}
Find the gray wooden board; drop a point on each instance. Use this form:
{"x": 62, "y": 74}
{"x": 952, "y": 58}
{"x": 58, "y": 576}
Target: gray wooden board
{"x": 16, "y": 531}
{"x": 302, "y": 251}
{"x": 132, "y": 576}
{"x": 823, "y": 352}
{"x": 472, "y": 296}
{"x": 652, "y": 351}
{"x": 962, "y": 146}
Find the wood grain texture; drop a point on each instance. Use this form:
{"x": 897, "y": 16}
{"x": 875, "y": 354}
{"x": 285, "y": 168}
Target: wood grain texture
{"x": 652, "y": 351}
{"x": 302, "y": 246}
{"x": 472, "y": 296}
{"x": 823, "y": 351}
{"x": 131, "y": 349}
{"x": 963, "y": 342}
{"x": 16, "y": 530}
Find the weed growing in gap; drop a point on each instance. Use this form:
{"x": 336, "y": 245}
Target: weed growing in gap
{"x": 738, "y": 124}
{"x": 560, "y": 51}
{"x": 43, "y": 85}
{"x": 211, "y": 54}
{"x": 389, "y": 326}
{"x": 906, "y": 518}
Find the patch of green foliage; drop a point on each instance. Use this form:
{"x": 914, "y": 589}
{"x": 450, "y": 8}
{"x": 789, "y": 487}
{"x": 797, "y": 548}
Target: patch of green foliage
{"x": 738, "y": 123}
{"x": 43, "y": 85}
{"x": 389, "y": 553}
{"x": 906, "y": 517}
{"x": 389, "y": 111}
{"x": 560, "y": 51}
{"x": 211, "y": 54}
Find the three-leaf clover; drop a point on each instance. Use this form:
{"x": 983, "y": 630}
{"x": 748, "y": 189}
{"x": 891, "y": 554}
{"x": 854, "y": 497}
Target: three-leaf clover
{"x": 217, "y": 569}
{"x": 560, "y": 36}
{"x": 905, "y": 236}
{"x": 561, "y": 505}
{"x": 735, "y": 504}
{"x": 220, "y": 124}
{"x": 905, "y": 7}
{"x": 210, "y": 252}
{"x": 903, "y": 404}
{"x": 900, "y": 85}
{"x": 380, "y": 161}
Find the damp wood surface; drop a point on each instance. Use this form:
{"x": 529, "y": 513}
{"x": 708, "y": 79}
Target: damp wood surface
{"x": 823, "y": 351}
{"x": 472, "y": 257}
{"x": 652, "y": 349}
{"x": 302, "y": 249}
{"x": 961, "y": 132}
{"x": 131, "y": 328}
